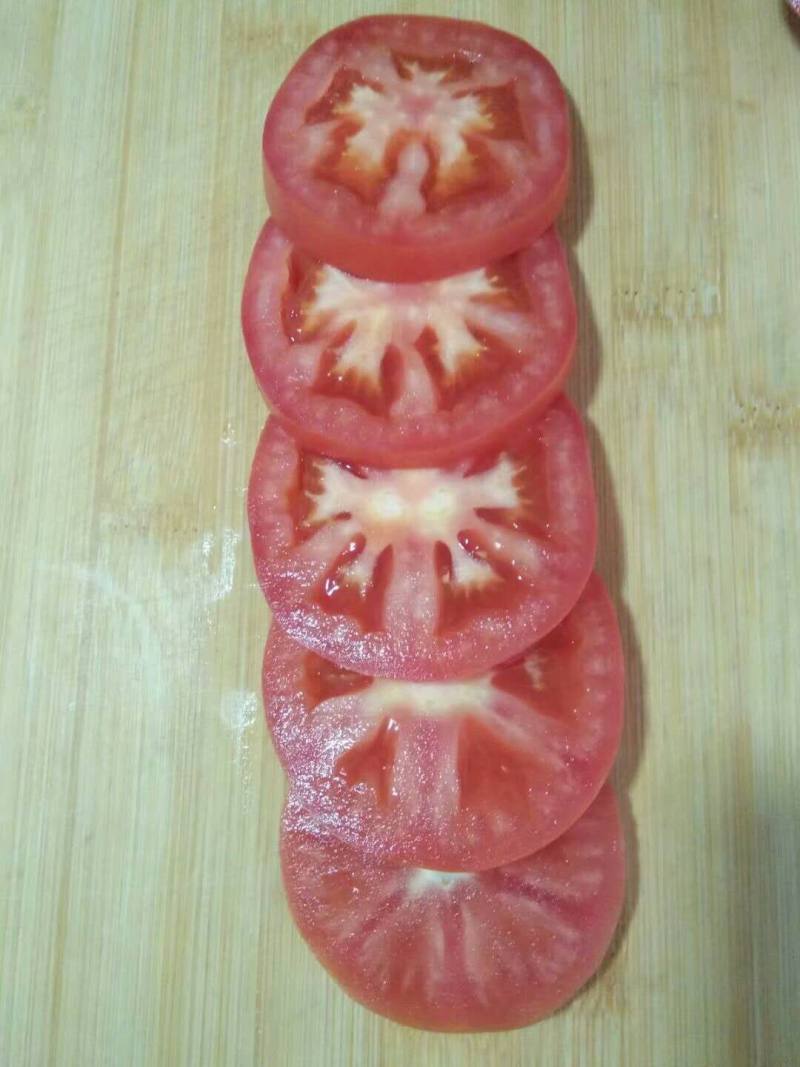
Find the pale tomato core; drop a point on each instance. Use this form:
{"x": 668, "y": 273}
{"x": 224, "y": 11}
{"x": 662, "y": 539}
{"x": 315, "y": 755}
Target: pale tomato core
{"x": 449, "y": 335}
{"x": 406, "y": 140}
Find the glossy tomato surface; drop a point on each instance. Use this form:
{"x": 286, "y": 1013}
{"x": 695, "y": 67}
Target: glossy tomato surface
{"x": 455, "y": 775}
{"x": 403, "y": 148}
{"x": 445, "y": 951}
{"x": 407, "y": 375}
{"x": 425, "y": 574}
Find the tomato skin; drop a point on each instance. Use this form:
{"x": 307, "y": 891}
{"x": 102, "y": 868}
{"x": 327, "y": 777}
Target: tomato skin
{"x": 496, "y": 950}
{"x": 367, "y": 258}
{"x": 416, "y": 647}
{"x": 551, "y": 720}
{"x": 339, "y": 426}
{"x": 316, "y": 222}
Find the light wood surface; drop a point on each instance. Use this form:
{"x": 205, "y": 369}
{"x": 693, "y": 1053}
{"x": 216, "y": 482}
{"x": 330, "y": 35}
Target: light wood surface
{"x": 141, "y": 917}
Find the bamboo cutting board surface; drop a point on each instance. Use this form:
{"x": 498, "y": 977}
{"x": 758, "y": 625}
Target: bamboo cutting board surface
{"x": 141, "y": 917}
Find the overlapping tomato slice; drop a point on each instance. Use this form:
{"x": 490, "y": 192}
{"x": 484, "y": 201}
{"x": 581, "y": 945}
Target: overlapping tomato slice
{"x": 405, "y": 375}
{"x": 404, "y": 148}
{"x": 454, "y": 775}
{"x": 444, "y": 677}
{"x": 482, "y": 951}
{"x": 425, "y": 574}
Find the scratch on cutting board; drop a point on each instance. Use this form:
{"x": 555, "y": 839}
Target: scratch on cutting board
{"x": 670, "y": 303}
{"x": 765, "y": 422}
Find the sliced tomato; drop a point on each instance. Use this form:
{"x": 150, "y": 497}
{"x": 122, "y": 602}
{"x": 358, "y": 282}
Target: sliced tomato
{"x": 455, "y": 775}
{"x": 405, "y": 148}
{"x": 425, "y": 574}
{"x": 407, "y": 375}
{"x": 446, "y": 951}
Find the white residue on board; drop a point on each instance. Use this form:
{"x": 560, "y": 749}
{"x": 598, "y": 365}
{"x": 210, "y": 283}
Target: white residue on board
{"x": 239, "y": 712}
{"x": 151, "y": 619}
{"x": 99, "y": 583}
{"x": 217, "y": 585}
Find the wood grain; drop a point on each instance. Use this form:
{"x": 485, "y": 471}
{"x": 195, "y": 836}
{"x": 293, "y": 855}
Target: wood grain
{"x": 141, "y": 918}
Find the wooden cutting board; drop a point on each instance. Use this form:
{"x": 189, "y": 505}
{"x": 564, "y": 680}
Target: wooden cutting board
{"x": 141, "y": 916}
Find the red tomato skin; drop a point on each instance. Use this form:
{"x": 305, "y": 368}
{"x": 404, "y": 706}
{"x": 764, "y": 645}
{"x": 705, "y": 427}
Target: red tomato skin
{"x": 407, "y": 260}
{"x": 507, "y": 1002}
{"x": 464, "y": 840}
{"x": 340, "y": 428}
{"x": 367, "y": 258}
{"x": 479, "y": 646}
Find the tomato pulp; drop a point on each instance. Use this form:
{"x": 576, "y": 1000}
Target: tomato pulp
{"x": 425, "y": 574}
{"x": 446, "y": 951}
{"x": 403, "y": 148}
{"x": 407, "y": 375}
{"x": 454, "y": 775}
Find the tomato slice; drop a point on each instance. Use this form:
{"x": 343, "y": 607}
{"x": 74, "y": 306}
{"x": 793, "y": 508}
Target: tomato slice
{"x": 404, "y": 148}
{"x": 455, "y": 775}
{"x": 425, "y": 574}
{"x": 452, "y": 951}
{"x": 407, "y": 375}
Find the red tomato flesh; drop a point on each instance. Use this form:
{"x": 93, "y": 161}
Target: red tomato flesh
{"x": 407, "y": 375}
{"x": 438, "y": 950}
{"x": 455, "y": 775}
{"x": 405, "y": 148}
{"x": 425, "y": 574}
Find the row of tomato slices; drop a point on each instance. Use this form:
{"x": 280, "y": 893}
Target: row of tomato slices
{"x": 443, "y": 679}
